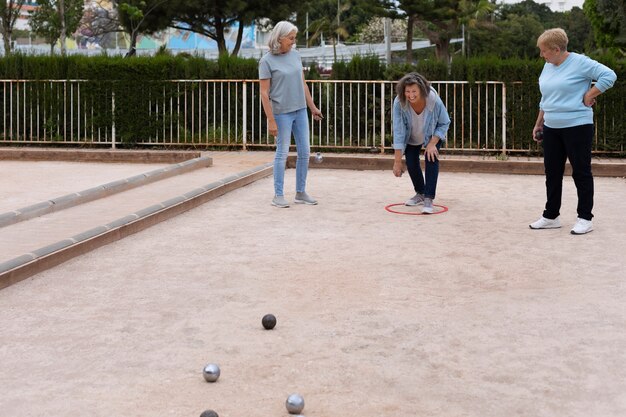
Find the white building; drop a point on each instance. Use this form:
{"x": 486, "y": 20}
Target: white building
{"x": 554, "y": 5}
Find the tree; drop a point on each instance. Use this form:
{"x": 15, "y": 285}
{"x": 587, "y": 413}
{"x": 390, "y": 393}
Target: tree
{"x": 47, "y": 20}
{"x": 608, "y": 19}
{"x": 351, "y": 15}
{"x": 214, "y": 18}
{"x": 373, "y": 31}
{"x": 139, "y": 16}
{"x": 578, "y": 28}
{"x": 331, "y": 27}
{"x": 99, "y": 22}
{"x": 439, "y": 20}
{"x": 9, "y": 12}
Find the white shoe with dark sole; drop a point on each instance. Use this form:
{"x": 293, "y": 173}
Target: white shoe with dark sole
{"x": 544, "y": 223}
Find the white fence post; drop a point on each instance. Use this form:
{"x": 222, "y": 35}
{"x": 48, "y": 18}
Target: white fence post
{"x": 382, "y": 117}
{"x": 112, "y": 119}
{"x": 244, "y": 124}
{"x": 503, "y": 119}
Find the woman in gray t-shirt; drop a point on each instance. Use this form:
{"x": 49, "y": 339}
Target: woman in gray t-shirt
{"x": 285, "y": 97}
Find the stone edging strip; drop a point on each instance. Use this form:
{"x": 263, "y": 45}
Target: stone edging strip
{"x": 85, "y": 196}
{"x": 22, "y": 267}
{"x": 96, "y": 155}
{"x": 450, "y": 164}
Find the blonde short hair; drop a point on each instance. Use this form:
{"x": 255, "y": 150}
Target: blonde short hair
{"x": 553, "y": 38}
{"x": 281, "y": 30}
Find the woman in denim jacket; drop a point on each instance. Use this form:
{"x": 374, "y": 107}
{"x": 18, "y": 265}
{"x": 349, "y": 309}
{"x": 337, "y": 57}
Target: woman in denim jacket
{"x": 420, "y": 119}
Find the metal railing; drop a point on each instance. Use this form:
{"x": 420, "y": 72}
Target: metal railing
{"x": 486, "y": 116}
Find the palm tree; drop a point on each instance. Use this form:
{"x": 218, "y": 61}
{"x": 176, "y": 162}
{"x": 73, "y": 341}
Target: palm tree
{"x": 332, "y": 28}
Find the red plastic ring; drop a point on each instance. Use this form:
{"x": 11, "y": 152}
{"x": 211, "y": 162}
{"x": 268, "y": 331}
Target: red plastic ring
{"x": 390, "y": 210}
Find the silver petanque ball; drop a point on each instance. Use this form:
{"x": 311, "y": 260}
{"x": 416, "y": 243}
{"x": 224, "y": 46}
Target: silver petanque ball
{"x": 319, "y": 158}
{"x": 294, "y": 404}
{"x": 211, "y": 372}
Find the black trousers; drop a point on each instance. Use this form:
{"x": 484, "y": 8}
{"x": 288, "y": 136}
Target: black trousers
{"x": 573, "y": 143}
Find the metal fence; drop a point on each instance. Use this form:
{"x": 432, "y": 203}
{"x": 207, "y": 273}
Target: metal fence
{"x": 486, "y": 116}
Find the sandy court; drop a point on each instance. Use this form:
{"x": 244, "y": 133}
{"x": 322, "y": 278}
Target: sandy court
{"x": 467, "y": 313}
{"x": 29, "y": 183}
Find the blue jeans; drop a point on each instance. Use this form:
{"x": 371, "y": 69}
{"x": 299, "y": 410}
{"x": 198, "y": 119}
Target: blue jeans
{"x": 298, "y": 123}
{"x": 428, "y": 187}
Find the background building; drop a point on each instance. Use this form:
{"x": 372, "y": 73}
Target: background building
{"x": 554, "y": 5}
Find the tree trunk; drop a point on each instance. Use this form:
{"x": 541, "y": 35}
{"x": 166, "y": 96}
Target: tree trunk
{"x": 7, "y": 43}
{"x": 239, "y": 39}
{"x": 409, "y": 38}
{"x": 221, "y": 41}
{"x": 63, "y": 30}
{"x": 132, "y": 50}
{"x": 442, "y": 50}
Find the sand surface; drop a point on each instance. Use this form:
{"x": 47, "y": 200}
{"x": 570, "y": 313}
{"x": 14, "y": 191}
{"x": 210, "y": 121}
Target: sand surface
{"x": 466, "y": 313}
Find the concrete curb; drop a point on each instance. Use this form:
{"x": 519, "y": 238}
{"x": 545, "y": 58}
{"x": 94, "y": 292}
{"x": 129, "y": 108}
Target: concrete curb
{"x": 450, "y": 164}
{"x": 97, "y": 155}
{"x": 105, "y": 190}
{"x": 27, "y": 265}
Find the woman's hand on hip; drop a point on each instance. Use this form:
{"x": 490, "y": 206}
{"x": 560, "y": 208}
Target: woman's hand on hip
{"x": 588, "y": 100}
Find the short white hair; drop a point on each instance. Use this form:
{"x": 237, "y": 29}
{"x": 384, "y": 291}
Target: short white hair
{"x": 281, "y": 30}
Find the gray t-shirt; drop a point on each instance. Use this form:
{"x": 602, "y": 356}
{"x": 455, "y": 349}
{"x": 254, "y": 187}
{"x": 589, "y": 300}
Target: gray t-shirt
{"x": 285, "y": 74}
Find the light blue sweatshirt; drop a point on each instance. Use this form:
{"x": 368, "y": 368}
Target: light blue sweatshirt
{"x": 563, "y": 87}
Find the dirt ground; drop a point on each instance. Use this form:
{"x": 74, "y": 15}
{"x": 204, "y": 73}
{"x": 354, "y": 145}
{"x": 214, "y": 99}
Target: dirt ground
{"x": 466, "y": 313}
{"x": 29, "y": 183}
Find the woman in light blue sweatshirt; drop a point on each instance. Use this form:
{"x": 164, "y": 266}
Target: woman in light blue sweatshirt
{"x": 420, "y": 119}
{"x": 565, "y": 125}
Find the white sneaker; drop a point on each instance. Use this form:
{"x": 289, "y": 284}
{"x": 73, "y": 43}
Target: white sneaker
{"x": 428, "y": 206}
{"x": 544, "y": 223}
{"x": 582, "y": 226}
{"x": 279, "y": 201}
{"x": 416, "y": 200}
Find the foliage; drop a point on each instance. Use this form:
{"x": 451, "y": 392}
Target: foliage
{"x": 512, "y": 30}
{"x": 373, "y": 31}
{"x": 100, "y": 24}
{"x": 439, "y": 20}
{"x": 45, "y": 21}
{"x": 359, "y": 68}
{"x": 511, "y": 38}
{"x": 431, "y": 69}
{"x": 9, "y": 12}
{"x": 608, "y": 19}
{"x": 351, "y": 14}
{"x": 138, "y": 17}
{"x": 215, "y": 18}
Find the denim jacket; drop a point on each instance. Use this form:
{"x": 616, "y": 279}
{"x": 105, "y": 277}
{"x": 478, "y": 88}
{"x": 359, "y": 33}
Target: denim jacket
{"x": 436, "y": 121}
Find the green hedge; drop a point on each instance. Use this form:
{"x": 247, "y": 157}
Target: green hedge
{"x": 164, "y": 67}
{"x": 118, "y": 68}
